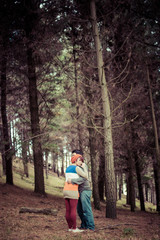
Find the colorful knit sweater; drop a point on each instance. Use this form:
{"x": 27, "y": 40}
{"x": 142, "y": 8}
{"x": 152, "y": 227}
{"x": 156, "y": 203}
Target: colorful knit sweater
{"x": 71, "y": 190}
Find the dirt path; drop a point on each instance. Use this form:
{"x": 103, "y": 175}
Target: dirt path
{"x": 29, "y": 226}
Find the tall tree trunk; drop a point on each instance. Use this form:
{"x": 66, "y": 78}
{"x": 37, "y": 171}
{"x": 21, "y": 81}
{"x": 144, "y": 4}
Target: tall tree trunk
{"x": 120, "y": 183}
{"x": 77, "y": 98}
{"x": 30, "y": 24}
{"x": 130, "y": 179}
{"x": 108, "y": 144}
{"x": 139, "y": 180}
{"x": 94, "y": 166}
{"x": 146, "y": 192}
{"x": 157, "y": 159}
{"x": 131, "y": 184}
{"x": 6, "y": 138}
{"x": 63, "y": 160}
{"x": 101, "y": 177}
{"x": 24, "y": 153}
{"x": 138, "y": 170}
{"x": 157, "y": 184}
{"x": 2, "y": 150}
{"x": 101, "y": 172}
{"x": 54, "y": 160}
{"x": 46, "y": 155}
{"x": 37, "y": 150}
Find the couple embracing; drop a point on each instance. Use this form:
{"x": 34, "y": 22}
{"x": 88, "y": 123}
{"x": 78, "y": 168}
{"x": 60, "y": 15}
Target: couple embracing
{"x": 77, "y": 193}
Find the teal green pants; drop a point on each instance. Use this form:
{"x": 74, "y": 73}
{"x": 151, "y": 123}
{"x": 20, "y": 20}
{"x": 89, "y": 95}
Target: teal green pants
{"x": 84, "y": 210}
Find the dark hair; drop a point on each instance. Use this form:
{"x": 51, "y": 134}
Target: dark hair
{"x": 77, "y": 151}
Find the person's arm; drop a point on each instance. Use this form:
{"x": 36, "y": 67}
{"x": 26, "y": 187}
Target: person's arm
{"x": 82, "y": 172}
{"x": 78, "y": 181}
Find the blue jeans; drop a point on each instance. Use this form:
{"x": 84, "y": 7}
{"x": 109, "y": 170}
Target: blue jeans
{"x": 84, "y": 210}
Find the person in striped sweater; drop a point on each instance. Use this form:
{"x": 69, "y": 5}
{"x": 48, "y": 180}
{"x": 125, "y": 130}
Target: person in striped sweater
{"x": 84, "y": 207}
{"x": 70, "y": 191}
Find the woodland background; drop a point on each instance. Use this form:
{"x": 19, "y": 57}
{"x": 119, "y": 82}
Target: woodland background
{"x": 83, "y": 74}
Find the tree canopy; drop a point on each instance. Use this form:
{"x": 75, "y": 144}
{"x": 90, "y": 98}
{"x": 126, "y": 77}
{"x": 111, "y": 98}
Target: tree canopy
{"x": 71, "y": 79}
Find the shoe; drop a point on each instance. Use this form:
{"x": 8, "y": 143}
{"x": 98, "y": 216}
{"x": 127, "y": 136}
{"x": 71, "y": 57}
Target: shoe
{"x": 70, "y": 230}
{"x": 77, "y": 230}
{"x": 90, "y": 230}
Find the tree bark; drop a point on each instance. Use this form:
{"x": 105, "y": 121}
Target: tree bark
{"x": 108, "y": 144}
{"x": 63, "y": 160}
{"x": 6, "y": 139}
{"x": 131, "y": 188}
{"x": 37, "y": 150}
{"x": 130, "y": 175}
{"x": 120, "y": 183}
{"x": 24, "y": 152}
{"x": 138, "y": 170}
{"x": 2, "y": 149}
{"x": 157, "y": 159}
{"x": 101, "y": 178}
{"x": 139, "y": 180}
{"x": 46, "y": 155}
{"x": 80, "y": 146}
{"x": 94, "y": 167}
{"x": 30, "y": 24}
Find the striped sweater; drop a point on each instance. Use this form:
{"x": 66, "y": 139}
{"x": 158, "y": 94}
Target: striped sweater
{"x": 71, "y": 190}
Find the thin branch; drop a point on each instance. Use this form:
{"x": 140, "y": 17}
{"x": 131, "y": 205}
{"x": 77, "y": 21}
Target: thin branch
{"x": 123, "y": 100}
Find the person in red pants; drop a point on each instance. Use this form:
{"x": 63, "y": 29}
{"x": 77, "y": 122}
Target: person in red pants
{"x": 70, "y": 191}
{"x": 84, "y": 207}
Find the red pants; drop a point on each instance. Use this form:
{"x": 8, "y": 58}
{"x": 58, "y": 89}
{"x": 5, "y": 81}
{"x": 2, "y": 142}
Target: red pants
{"x": 71, "y": 212}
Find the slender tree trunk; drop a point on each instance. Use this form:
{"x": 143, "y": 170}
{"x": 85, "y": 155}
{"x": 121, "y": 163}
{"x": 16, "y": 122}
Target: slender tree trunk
{"x": 127, "y": 196}
{"x": 24, "y": 153}
{"x": 120, "y": 181}
{"x": 139, "y": 180}
{"x": 101, "y": 177}
{"x": 94, "y": 167}
{"x": 80, "y": 146}
{"x": 54, "y": 159}
{"x": 6, "y": 138}
{"x": 130, "y": 180}
{"x": 153, "y": 197}
{"x": 46, "y": 155}
{"x": 66, "y": 158}
{"x": 131, "y": 185}
{"x": 2, "y": 150}
{"x": 13, "y": 138}
{"x": 63, "y": 158}
{"x": 108, "y": 144}
{"x": 138, "y": 170}
{"x": 156, "y": 176}
{"x": 146, "y": 191}
{"x": 157, "y": 159}
{"x": 30, "y": 25}
{"x": 37, "y": 150}
{"x": 101, "y": 173}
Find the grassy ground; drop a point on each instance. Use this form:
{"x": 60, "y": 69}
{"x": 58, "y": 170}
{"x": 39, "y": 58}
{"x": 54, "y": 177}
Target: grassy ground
{"x": 53, "y": 184}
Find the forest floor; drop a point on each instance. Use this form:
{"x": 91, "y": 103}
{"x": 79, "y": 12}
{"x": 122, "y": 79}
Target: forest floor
{"x": 32, "y": 226}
